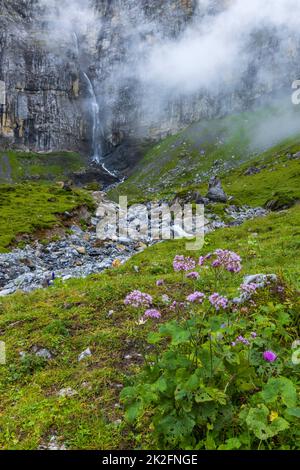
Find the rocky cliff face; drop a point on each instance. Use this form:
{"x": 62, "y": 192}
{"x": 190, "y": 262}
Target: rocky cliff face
{"x": 49, "y": 104}
{"x": 42, "y": 110}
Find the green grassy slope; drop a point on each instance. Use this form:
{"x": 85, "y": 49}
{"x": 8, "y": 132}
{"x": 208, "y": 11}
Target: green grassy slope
{"x": 29, "y": 198}
{"x": 278, "y": 177}
{"x": 68, "y": 318}
{"x": 186, "y": 161}
{"x": 27, "y": 207}
{"x": 16, "y": 166}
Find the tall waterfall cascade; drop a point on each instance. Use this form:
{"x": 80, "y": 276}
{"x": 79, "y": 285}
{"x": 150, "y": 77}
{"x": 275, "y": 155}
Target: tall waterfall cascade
{"x": 97, "y": 131}
{"x": 96, "y": 124}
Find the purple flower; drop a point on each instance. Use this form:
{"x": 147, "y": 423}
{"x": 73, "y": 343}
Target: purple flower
{"x": 218, "y": 301}
{"x": 196, "y": 297}
{"x": 269, "y": 356}
{"x": 152, "y": 313}
{"x": 160, "y": 282}
{"x": 203, "y": 259}
{"x": 138, "y": 299}
{"x": 181, "y": 263}
{"x": 253, "y": 335}
{"x": 240, "y": 339}
{"x": 177, "y": 305}
{"x": 243, "y": 340}
{"x": 216, "y": 263}
{"x": 193, "y": 275}
{"x": 228, "y": 260}
{"x": 249, "y": 288}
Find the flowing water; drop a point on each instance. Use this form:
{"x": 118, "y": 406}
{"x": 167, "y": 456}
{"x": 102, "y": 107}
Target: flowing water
{"x": 96, "y": 123}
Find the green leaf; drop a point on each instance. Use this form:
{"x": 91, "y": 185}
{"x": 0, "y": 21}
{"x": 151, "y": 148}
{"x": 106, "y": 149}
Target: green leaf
{"x": 231, "y": 444}
{"x": 293, "y": 412}
{"x": 128, "y": 393}
{"x": 178, "y": 334}
{"x": 154, "y": 338}
{"x": 176, "y": 426}
{"x": 279, "y": 425}
{"x": 280, "y": 388}
{"x": 180, "y": 394}
{"x": 203, "y": 397}
{"x": 133, "y": 411}
{"x": 193, "y": 382}
{"x": 160, "y": 385}
{"x": 257, "y": 422}
{"x": 211, "y": 394}
{"x": 217, "y": 395}
{"x": 210, "y": 442}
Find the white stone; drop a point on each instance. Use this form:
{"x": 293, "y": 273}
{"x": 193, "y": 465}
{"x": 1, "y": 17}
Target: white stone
{"x": 84, "y": 354}
{"x": 67, "y": 392}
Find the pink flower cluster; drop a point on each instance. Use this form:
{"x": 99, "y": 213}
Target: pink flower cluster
{"x": 193, "y": 275}
{"x": 182, "y": 263}
{"x": 177, "y": 305}
{"x": 196, "y": 297}
{"x": 270, "y": 356}
{"x": 218, "y": 301}
{"x": 249, "y": 288}
{"x": 152, "y": 313}
{"x": 203, "y": 259}
{"x": 138, "y": 299}
{"x": 224, "y": 259}
{"x": 228, "y": 260}
{"x": 242, "y": 340}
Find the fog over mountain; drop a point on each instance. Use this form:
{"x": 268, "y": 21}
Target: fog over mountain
{"x": 153, "y": 68}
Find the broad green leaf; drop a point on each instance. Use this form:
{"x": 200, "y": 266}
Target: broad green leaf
{"x": 133, "y": 411}
{"x": 210, "y": 442}
{"x": 176, "y": 426}
{"x": 193, "y": 382}
{"x": 280, "y": 388}
{"x": 128, "y": 393}
{"x": 178, "y": 334}
{"x": 231, "y": 444}
{"x": 217, "y": 395}
{"x": 293, "y": 412}
{"x": 154, "y": 338}
{"x": 161, "y": 385}
{"x": 257, "y": 422}
{"x": 203, "y": 397}
{"x": 180, "y": 394}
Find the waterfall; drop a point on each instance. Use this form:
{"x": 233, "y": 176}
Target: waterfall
{"x": 97, "y": 127}
{"x": 75, "y": 37}
{"x": 97, "y": 151}
{"x": 95, "y": 112}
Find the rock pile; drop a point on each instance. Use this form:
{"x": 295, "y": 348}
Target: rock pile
{"x": 80, "y": 253}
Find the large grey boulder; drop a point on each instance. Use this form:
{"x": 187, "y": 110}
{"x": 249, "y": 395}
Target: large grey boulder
{"x": 216, "y": 192}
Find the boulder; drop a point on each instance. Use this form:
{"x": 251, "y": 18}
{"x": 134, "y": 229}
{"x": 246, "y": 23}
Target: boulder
{"x": 252, "y": 170}
{"x": 67, "y": 393}
{"x": 216, "y": 192}
{"x": 81, "y": 250}
{"x": 42, "y": 353}
{"x": 84, "y": 354}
